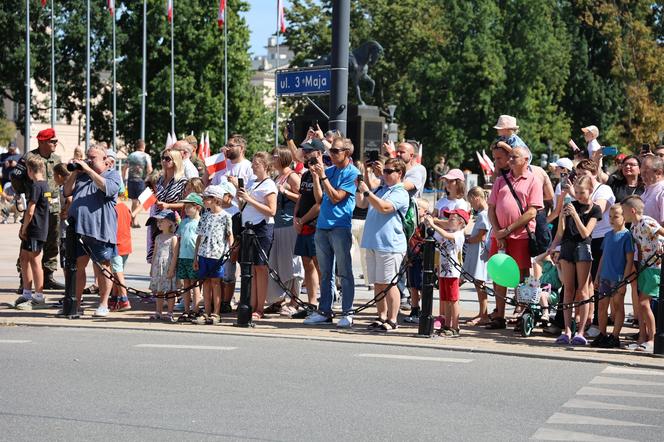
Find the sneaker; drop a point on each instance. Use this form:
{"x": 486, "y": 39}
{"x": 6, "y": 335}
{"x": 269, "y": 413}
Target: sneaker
{"x": 646, "y": 347}
{"x": 112, "y": 303}
{"x": 545, "y": 317}
{"x": 405, "y": 304}
{"x": 610, "y": 342}
{"x": 599, "y": 341}
{"x": 200, "y": 319}
{"x": 414, "y": 317}
{"x": 593, "y": 331}
{"x": 24, "y": 306}
{"x": 213, "y": 320}
{"x": 168, "y": 317}
{"x": 317, "y": 318}
{"x": 21, "y": 300}
{"x": 122, "y": 306}
{"x": 101, "y": 312}
{"x": 439, "y": 322}
{"x": 38, "y": 300}
{"x": 345, "y": 322}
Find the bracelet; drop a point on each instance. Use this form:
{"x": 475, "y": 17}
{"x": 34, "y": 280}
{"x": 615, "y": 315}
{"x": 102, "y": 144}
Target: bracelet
{"x": 323, "y": 178}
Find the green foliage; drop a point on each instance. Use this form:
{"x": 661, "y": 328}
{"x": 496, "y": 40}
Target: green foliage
{"x": 7, "y": 131}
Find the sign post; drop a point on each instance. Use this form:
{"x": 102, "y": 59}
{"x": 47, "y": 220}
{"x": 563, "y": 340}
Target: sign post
{"x": 303, "y": 81}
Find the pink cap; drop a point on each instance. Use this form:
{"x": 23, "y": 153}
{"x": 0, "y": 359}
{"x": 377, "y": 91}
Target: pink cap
{"x": 455, "y": 174}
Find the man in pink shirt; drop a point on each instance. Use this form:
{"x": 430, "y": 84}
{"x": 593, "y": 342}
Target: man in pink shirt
{"x": 508, "y": 225}
{"x": 652, "y": 173}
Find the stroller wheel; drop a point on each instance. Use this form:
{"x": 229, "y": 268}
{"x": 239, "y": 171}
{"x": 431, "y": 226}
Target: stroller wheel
{"x": 527, "y": 324}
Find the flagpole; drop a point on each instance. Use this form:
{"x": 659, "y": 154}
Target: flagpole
{"x": 276, "y": 113}
{"x": 226, "y": 73}
{"x": 144, "y": 92}
{"x": 172, "y": 71}
{"x": 87, "y": 82}
{"x": 53, "y": 104}
{"x": 115, "y": 89}
{"x": 26, "y": 140}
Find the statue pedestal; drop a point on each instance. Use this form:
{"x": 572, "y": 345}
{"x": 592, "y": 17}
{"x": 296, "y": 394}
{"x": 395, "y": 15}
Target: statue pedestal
{"x": 365, "y": 128}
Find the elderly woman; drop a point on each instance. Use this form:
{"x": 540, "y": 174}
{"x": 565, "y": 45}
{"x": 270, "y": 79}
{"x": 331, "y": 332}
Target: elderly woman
{"x": 385, "y": 239}
{"x": 169, "y": 190}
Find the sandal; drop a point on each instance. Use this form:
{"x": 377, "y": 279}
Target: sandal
{"x": 378, "y": 323}
{"x": 255, "y": 316}
{"x": 387, "y": 326}
{"x": 185, "y": 317}
{"x": 155, "y": 317}
{"x": 168, "y": 317}
{"x": 562, "y": 339}
{"x": 496, "y": 324}
{"x": 579, "y": 340}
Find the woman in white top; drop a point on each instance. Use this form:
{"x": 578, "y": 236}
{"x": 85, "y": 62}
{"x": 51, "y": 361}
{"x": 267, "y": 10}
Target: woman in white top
{"x": 258, "y": 203}
{"x": 455, "y": 191}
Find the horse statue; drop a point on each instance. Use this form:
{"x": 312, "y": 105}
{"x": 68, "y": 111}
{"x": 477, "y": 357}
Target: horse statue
{"x": 359, "y": 61}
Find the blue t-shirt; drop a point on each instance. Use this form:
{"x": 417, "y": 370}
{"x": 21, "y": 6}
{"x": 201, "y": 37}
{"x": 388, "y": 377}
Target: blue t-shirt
{"x": 383, "y": 232}
{"x": 614, "y": 248}
{"x": 339, "y": 215}
{"x": 187, "y": 234}
{"x": 94, "y": 209}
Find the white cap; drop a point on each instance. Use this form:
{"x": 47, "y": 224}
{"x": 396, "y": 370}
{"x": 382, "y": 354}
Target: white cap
{"x": 592, "y": 129}
{"x": 565, "y": 163}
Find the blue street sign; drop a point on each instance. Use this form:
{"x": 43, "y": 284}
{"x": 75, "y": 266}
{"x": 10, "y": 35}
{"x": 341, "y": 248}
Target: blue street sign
{"x": 316, "y": 81}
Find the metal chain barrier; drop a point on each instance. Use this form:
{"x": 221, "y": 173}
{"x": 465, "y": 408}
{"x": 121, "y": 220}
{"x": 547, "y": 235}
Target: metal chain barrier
{"x": 562, "y": 306}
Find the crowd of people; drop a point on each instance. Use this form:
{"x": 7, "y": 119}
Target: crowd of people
{"x": 313, "y": 209}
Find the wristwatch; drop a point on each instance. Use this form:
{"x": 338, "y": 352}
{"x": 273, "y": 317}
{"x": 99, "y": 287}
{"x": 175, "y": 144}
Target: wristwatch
{"x": 366, "y": 193}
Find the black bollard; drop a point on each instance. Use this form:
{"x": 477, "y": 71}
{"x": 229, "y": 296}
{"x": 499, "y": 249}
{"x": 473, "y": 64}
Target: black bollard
{"x": 428, "y": 283}
{"x": 659, "y": 330}
{"x": 247, "y": 255}
{"x": 69, "y": 309}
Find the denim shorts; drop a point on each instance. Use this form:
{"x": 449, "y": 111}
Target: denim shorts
{"x": 118, "y": 263}
{"x": 101, "y": 252}
{"x": 305, "y": 245}
{"x": 606, "y": 286}
{"x": 134, "y": 188}
{"x": 573, "y": 252}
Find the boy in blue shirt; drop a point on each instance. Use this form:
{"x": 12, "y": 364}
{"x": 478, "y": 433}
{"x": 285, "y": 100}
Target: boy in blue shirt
{"x": 615, "y": 265}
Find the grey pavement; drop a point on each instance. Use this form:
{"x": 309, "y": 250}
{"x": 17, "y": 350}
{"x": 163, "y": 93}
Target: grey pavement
{"x": 81, "y": 384}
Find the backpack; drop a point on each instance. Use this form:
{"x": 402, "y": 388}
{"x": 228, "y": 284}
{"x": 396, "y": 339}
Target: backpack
{"x": 411, "y": 219}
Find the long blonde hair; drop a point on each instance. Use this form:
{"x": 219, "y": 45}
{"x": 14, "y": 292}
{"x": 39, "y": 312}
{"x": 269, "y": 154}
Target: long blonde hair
{"x": 177, "y": 161}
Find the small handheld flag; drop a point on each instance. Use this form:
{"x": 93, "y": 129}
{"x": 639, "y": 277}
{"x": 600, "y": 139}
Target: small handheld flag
{"x": 147, "y": 198}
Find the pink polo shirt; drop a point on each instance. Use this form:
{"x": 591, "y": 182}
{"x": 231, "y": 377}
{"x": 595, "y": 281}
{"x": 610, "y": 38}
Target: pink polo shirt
{"x": 653, "y": 200}
{"x": 528, "y": 188}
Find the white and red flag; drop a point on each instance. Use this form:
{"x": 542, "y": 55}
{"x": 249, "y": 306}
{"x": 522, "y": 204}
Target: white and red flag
{"x": 201, "y": 146}
{"x": 282, "y": 20}
{"x": 111, "y": 6}
{"x": 147, "y": 198}
{"x": 207, "y": 144}
{"x": 488, "y": 161}
{"x": 483, "y": 164}
{"x": 215, "y": 163}
{"x": 420, "y": 152}
{"x": 220, "y": 15}
{"x": 169, "y": 10}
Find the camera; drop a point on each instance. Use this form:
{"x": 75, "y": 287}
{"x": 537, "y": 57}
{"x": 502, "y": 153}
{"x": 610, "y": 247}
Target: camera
{"x": 74, "y": 166}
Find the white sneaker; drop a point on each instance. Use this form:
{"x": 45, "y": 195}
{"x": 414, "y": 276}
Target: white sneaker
{"x": 317, "y": 318}
{"x": 593, "y": 331}
{"x": 345, "y": 322}
{"x": 36, "y": 299}
{"x": 101, "y": 312}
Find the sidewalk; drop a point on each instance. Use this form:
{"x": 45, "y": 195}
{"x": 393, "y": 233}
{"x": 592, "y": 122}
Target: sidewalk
{"x": 472, "y": 338}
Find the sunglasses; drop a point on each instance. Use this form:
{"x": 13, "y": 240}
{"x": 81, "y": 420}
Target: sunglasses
{"x": 167, "y": 159}
{"x": 335, "y": 151}
{"x": 388, "y": 171}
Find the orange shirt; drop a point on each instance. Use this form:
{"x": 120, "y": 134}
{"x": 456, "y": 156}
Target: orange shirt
{"x": 124, "y": 229}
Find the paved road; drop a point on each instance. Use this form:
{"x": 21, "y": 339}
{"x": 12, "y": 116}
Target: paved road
{"x": 75, "y": 384}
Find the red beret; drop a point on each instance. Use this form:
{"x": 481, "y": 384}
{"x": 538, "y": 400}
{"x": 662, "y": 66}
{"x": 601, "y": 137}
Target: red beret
{"x": 46, "y": 134}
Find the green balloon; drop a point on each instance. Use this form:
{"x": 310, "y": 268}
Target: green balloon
{"x": 504, "y": 270}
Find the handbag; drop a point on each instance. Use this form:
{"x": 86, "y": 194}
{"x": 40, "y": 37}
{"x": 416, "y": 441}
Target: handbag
{"x": 540, "y": 239}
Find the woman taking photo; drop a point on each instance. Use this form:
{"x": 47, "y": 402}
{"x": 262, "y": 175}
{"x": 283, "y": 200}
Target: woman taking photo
{"x": 258, "y": 203}
{"x": 384, "y": 239}
{"x": 578, "y": 219}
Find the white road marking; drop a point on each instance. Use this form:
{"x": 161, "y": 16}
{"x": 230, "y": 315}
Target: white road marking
{"x": 185, "y": 347}
{"x": 14, "y": 341}
{"x": 550, "y": 434}
{"x": 622, "y": 381}
{"x": 594, "y": 405}
{"x": 625, "y": 370}
{"x": 413, "y": 358}
{"x": 592, "y": 391}
{"x": 564, "y": 418}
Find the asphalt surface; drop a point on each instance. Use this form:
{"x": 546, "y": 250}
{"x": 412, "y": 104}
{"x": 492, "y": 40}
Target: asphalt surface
{"x": 81, "y": 384}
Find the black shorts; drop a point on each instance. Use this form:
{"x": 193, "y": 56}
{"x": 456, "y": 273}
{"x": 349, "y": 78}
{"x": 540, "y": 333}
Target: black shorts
{"x": 573, "y": 252}
{"x": 32, "y": 245}
{"x": 134, "y": 188}
{"x": 264, "y": 234}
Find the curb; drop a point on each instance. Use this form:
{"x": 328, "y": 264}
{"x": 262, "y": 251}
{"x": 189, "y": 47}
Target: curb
{"x": 347, "y": 340}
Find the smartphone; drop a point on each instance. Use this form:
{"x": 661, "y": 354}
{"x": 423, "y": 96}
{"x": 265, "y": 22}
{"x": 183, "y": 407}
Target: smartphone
{"x": 609, "y": 151}
{"x": 290, "y": 127}
{"x": 372, "y": 156}
{"x": 567, "y": 200}
{"x": 314, "y": 124}
{"x": 645, "y": 148}
{"x": 564, "y": 180}
{"x": 240, "y": 183}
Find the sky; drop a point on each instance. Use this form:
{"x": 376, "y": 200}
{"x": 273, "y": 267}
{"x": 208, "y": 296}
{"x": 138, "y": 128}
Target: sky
{"x": 262, "y": 22}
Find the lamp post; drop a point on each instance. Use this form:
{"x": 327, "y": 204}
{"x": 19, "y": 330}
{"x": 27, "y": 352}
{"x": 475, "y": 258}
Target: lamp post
{"x": 339, "y": 66}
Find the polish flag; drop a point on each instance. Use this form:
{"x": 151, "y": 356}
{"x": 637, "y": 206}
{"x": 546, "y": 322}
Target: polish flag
{"x": 215, "y": 163}
{"x": 282, "y": 21}
{"x": 147, "y": 198}
{"x": 169, "y": 11}
{"x": 483, "y": 164}
{"x": 201, "y": 146}
{"x": 207, "y": 145}
{"x": 111, "y": 6}
{"x": 488, "y": 161}
{"x": 220, "y": 14}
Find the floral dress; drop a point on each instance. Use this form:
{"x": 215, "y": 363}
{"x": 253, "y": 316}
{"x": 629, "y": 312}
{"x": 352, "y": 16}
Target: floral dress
{"x": 161, "y": 261}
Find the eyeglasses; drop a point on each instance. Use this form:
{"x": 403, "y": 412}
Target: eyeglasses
{"x": 167, "y": 159}
{"x": 52, "y": 141}
{"x": 335, "y": 151}
{"x": 389, "y": 171}
{"x": 630, "y": 165}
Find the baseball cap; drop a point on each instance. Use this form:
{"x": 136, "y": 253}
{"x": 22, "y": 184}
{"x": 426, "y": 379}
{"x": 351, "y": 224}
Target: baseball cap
{"x": 111, "y": 153}
{"x": 455, "y": 174}
{"x": 46, "y": 134}
{"x": 193, "y": 198}
{"x": 314, "y": 144}
{"x": 228, "y": 188}
{"x": 592, "y": 129}
{"x": 166, "y": 214}
{"x": 462, "y": 213}
{"x": 565, "y": 163}
{"x": 215, "y": 191}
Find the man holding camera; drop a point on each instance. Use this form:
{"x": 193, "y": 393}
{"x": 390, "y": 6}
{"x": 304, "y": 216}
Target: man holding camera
{"x": 47, "y": 143}
{"x": 334, "y": 189}
{"x": 94, "y": 188}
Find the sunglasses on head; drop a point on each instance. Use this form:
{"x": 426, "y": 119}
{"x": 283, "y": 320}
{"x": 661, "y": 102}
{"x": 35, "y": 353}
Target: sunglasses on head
{"x": 166, "y": 159}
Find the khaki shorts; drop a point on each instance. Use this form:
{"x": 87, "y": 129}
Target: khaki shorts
{"x": 382, "y": 267}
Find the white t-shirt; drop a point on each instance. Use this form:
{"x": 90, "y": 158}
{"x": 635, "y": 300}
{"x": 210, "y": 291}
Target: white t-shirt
{"x": 603, "y": 192}
{"x": 259, "y": 190}
{"x": 447, "y": 204}
{"x": 454, "y": 250}
{"x": 240, "y": 169}
{"x": 190, "y": 170}
{"x": 417, "y": 175}
{"x": 593, "y": 146}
